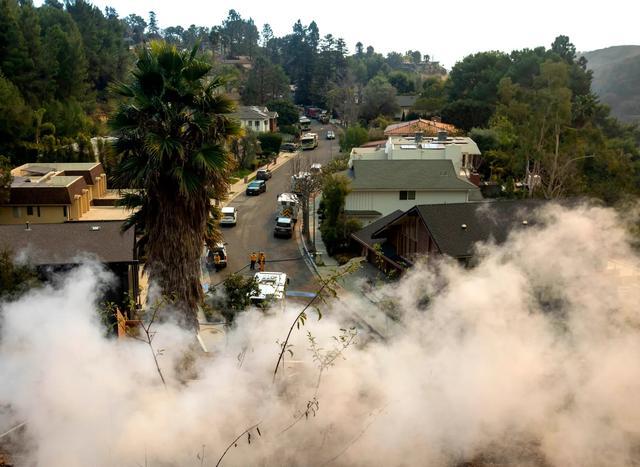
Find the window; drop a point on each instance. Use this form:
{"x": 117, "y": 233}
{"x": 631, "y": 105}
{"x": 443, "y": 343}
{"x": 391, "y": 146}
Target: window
{"x": 64, "y": 211}
{"x": 29, "y": 210}
{"x": 257, "y": 123}
{"x": 404, "y": 195}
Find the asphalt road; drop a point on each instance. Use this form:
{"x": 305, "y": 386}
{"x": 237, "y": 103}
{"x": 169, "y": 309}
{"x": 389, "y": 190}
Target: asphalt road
{"x": 256, "y": 219}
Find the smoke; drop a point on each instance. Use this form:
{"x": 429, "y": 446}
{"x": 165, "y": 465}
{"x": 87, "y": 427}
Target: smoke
{"x": 530, "y": 358}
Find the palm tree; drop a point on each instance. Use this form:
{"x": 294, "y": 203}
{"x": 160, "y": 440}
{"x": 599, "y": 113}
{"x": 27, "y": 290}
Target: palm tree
{"x": 173, "y": 128}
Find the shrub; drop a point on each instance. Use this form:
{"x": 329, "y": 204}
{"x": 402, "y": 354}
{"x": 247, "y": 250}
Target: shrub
{"x": 270, "y": 142}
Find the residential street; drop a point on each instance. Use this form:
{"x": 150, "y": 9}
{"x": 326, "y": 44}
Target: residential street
{"x": 256, "y": 219}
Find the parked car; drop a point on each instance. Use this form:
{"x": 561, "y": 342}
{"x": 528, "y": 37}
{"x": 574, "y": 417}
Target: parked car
{"x": 331, "y": 134}
{"x": 284, "y": 227}
{"x": 263, "y": 174}
{"x": 289, "y": 147}
{"x": 256, "y": 187}
{"x": 229, "y": 216}
{"x": 217, "y": 257}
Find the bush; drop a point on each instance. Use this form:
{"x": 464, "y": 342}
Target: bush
{"x": 270, "y": 143}
{"x": 292, "y": 130}
{"x": 353, "y": 136}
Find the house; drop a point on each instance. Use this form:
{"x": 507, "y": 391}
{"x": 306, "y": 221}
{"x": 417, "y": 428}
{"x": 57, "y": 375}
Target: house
{"x": 59, "y": 247}
{"x": 406, "y": 105}
{"x": 256, "y": 118}
{"x": 426, "y": 127}
{"x": 379, "y": 187}
{"x": 462, "y": 151}
{"x": 443, "y": 229}
{"x": 53, "y": 192}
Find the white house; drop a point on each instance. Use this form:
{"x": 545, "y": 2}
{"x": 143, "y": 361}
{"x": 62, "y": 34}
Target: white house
{"x": 256, "y": 118}
{"x": 380, "y": 186}
{"x": 462, "y": 151}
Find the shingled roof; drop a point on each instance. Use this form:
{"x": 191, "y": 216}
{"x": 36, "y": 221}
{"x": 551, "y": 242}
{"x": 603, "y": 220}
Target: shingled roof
{"x": 407, "y": 174}
{"x": 457, "y": 227}
{"x": 67, "y": 243}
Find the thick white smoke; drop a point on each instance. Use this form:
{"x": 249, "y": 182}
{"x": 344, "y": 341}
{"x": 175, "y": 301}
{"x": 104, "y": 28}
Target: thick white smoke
{"x": 530, "y": 358}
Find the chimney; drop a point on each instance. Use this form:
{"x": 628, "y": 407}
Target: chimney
{"x": 442, "y": 136}
{"x": 28, "y": 226}
{"x": 418, "y": 136}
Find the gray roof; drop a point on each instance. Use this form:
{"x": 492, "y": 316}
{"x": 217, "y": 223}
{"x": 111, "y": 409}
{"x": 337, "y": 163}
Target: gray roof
{"x": 67, "y": 243}
{"x": 484, "y": 221}
{"x": 416, "y": 174}
{"x": 364, "y": 235}
{"x": 406, "y": 101}
{"x": 251, "y": 112}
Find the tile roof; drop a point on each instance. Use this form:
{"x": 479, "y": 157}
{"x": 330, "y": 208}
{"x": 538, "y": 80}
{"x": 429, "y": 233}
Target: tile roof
{"x": 66, "y": 243}
{"x": 407, "y": 174}
{"x": 427, "y": 127}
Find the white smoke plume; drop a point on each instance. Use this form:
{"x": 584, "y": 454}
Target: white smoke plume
{"x": 530, "y": 358}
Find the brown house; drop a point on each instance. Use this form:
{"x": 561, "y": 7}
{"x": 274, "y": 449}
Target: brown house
{"x": 59, "y": 247}
{"x": 53, "y": 192}
{"x": 442, "y": 229}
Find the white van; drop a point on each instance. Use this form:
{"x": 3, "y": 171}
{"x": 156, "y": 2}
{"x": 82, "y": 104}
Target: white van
{"x": 229, "y": 216}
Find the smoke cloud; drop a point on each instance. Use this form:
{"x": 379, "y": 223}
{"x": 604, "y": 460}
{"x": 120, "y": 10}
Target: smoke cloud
{"x": 530, "y": 358}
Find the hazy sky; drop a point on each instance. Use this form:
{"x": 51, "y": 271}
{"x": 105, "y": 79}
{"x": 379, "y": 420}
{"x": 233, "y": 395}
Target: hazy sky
{"x": 445, "y": 30}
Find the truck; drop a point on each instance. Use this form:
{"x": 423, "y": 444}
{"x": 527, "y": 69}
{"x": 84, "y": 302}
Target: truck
{"x": 305, "y": 123}
{"x": 288, "y": 205}
{"x": 309, "y": 141}
{"x": 272, "y": 286}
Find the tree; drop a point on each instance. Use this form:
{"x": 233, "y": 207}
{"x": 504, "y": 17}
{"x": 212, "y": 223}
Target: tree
{"x": 402, "y": 82}
{"x": 238, "y": 290}
{"x": 359, "y": 49}
{"x": 467, "y": 113}
{"x": 477, "y": 76}
{"x": 335, "y": 228}
{"x": 154, "y": 30}
{"x": 353, "y": 137}
{"x": 245, "y": 149}
{"x": 15, "y": 278}
{"x": 379, "y": 98}
{"x": 5, "y": 179}
{"x": 306, "y": 187}
{"x": 265, "y": 82}
{"x": 136, "y": 25}
{"x": 172, "y": 128}
{"x": 288, "y": 113}
{"x": 270, "y": 143}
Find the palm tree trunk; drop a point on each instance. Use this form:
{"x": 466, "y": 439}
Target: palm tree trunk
{"x": 177, "y": 270}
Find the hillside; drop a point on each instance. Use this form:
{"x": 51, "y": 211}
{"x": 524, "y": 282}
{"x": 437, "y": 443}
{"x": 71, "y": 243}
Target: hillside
{"x": 616, "y": 79}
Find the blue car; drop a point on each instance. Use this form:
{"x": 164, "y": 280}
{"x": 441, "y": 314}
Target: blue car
{"x": 256, "y": 187}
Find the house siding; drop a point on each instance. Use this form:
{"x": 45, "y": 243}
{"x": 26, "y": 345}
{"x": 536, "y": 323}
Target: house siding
{"x": 385, "y": 202}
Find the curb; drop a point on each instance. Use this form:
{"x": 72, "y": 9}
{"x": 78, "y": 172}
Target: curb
{"x": 282, "y": 157}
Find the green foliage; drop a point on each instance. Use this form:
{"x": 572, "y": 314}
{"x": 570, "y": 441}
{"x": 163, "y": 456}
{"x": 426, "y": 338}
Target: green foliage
{"x": 246, "y": 149}
{"x": 264, "y": 83}
{"x": 237, "y": 290}
{"x": 5, "y": 179}
{"x": 335, "y": 228}
{"x": 353, "y": 137}
{"x": 379, "y": 98}
{"x": 270, "y": 143}
{"x": 467, "y": 114}
{"x": 15, "y": 278}
{"x": 288, "y": 113}
{"x": 403, "y": 82}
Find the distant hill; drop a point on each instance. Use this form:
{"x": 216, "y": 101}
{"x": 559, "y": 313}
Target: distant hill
{"x": 616, "y": 79}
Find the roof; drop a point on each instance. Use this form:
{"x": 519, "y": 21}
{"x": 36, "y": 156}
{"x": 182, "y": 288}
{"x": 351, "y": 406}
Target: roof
{"x": 57, "y": 190}
{"x": 406, "y": 174}
{"x": 364, "y": 235}
{"x": 406, "y": 101}
{"x": 427, "y": 127}
{"x": 457, "y": 227}
{"x": 67, "y": 243}
{"x": 251, "y": 112}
